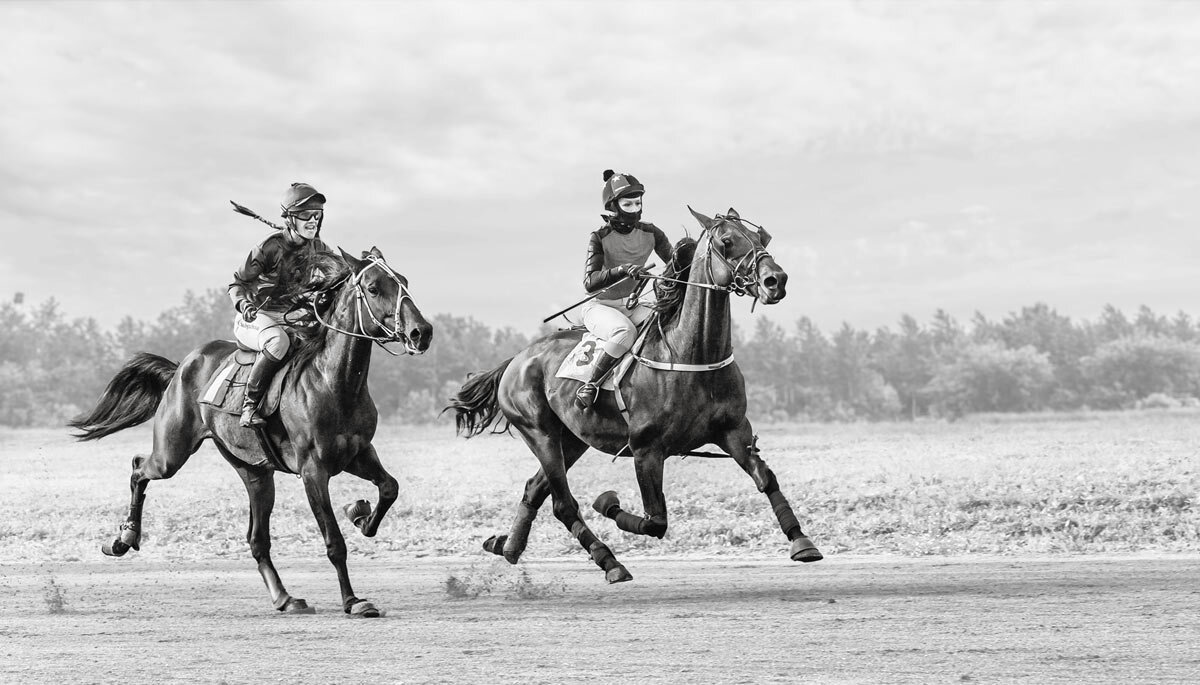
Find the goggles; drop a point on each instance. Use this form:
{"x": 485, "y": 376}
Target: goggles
{"x": 308, "y": 214}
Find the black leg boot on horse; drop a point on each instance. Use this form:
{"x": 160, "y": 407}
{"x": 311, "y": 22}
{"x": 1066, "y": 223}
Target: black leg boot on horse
{"x": 256, "y": 386}
{"x": 585, "y": 396}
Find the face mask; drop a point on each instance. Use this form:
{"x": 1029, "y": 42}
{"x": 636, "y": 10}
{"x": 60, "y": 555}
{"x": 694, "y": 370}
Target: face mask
{"x": 629, "y": 210}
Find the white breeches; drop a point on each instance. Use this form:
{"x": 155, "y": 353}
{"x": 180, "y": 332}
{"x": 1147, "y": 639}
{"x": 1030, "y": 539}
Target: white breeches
{"x": 614, "y": 324}
{"x": 264, "y": 334}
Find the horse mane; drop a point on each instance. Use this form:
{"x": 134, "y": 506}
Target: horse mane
{"x": 309, "y": 280}
{"x": 669, "y": 294}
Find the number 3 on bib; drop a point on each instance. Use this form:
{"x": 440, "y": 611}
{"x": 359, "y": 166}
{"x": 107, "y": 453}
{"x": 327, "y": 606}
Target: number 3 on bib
{"x": 586, "y": 353}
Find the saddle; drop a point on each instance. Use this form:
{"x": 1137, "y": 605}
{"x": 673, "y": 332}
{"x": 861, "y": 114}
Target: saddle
{"x": 226, "y": 390}
{"x": 578, "y": 364}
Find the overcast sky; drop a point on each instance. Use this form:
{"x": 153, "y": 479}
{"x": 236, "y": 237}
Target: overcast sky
{"x": 906, "y": 156}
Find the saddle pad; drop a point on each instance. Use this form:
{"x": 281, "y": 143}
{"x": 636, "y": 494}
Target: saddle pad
{"x": 227, "y": 389}
{"x": 579, "y": 363}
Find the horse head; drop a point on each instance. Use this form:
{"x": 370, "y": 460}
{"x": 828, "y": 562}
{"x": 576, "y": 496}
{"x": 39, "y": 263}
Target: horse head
{"x": 385, "y": 308}
{"x": 738, "y": 258}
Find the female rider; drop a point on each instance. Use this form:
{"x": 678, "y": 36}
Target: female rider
{"x": 616, "y": 259}
{"x": 258, "y": 324}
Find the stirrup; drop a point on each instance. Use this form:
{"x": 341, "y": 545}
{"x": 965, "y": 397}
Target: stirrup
{"x": 250, "y": 416}
{"x": 585, "y": 396}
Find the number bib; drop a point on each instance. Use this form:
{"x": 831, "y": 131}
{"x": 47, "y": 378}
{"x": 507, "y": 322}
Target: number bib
{"x": 578, "y": 364}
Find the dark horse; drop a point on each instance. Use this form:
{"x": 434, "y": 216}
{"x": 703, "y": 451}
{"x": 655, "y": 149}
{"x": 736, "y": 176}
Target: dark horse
{"x": 324, "y": 425}
{"x": 697, "y": 396}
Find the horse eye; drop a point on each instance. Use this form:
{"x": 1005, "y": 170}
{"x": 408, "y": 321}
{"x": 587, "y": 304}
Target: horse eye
{"x": 373, "y": 290}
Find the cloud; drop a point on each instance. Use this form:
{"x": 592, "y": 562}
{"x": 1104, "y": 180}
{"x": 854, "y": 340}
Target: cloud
{"x": 128, "y": 126}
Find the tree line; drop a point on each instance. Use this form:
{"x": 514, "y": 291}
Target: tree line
{"x": 53, "y": 367}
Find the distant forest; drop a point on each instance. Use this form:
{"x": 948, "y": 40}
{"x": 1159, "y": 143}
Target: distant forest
{"x": 52, "y": 367}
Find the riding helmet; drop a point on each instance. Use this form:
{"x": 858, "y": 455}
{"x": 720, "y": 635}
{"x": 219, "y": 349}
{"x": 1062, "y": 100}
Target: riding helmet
{"x": 618, "y": 186}
{"x": 301, "y": 196}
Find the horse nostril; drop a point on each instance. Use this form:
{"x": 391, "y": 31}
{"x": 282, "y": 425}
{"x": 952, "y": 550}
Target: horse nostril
{"x": 770, "y": 282}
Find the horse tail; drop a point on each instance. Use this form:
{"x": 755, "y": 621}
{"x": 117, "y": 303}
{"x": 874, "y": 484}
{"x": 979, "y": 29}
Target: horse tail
{"x": 132, "y": 397}
{"x": 477, "y": 403}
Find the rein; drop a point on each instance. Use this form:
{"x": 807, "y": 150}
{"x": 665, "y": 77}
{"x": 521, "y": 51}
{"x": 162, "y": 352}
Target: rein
{"x": 710, "y": 286}
{"x": 393, "y": 335}
{"x": 743, "y": 281}
{"x": 741, "y": 284}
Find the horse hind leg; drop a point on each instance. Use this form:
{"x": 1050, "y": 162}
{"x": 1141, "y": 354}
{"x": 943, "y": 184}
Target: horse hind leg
{"x": 171, "y": 451}
{"x": 537, "y": 489}
{"x": 130, "y": 535}
{"x": 549, "y": 450}
{"x": 512, "y": 545}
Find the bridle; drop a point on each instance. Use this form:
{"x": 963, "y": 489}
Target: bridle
{"x": 744, "y": 282}
{"x": 744, "y": 270}
{"x": 360, "y": 297}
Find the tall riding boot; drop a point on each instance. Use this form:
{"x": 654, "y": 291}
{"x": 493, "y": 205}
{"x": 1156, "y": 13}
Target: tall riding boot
{"x": 585, "y": 396}
{"x": 260, "y": 378}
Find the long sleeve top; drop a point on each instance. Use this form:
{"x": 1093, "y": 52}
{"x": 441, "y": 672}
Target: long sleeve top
{"x": 256, "y": 280}
{"x": 613, "y": 245}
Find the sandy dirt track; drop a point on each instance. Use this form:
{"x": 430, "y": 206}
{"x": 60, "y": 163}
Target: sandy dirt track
{"x": 846, "y": 619}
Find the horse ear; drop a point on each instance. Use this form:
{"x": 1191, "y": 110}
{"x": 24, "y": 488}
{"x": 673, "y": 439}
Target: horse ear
{"x": 351, "y": 261}
{"x": 732, "y": 214}
{"x": 373, "y": 251}
{"x": 704, "y": 221}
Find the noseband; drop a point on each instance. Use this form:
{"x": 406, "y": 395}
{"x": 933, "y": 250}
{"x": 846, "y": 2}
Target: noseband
{"x": 360, "y": 301}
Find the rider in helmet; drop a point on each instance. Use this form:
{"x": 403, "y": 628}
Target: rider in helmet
{"x": 616, "y": 260}
{"x": 258, "y": 324}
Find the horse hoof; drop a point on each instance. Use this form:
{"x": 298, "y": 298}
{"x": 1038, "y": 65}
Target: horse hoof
{"x": 804, "y": 550}
{"x": 363, "y": 609}
{"x": 115, "y": 549}
{"x": 617, "y": 574}
{"x": 296, "y": 606}
{"x": 130, "y": 537}
{"x": 495, "y": 544}
{"x": 606, "y": 502}
{"x": 358, "y": 512}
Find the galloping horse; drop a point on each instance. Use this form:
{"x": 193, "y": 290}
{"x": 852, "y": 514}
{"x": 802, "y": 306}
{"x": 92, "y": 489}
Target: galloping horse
{"x": 686, "y": 392}
{"x": 324, "y": 425}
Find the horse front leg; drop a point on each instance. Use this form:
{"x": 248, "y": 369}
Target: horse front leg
{"x": 648, "y": 465}
{"x": 316, "y": 486}
{"x": 260, "y": 487}
{"x": 366, "y": 465}
{"x": 740, "y": 443}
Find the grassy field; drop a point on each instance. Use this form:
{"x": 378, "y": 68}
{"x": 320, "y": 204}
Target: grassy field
{"x": 1121, "y": 482}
